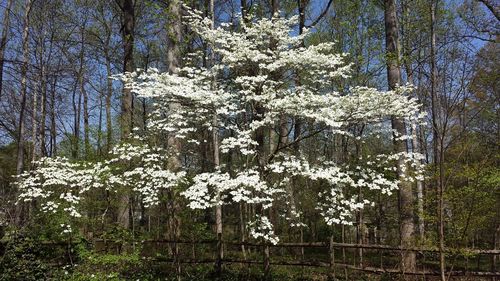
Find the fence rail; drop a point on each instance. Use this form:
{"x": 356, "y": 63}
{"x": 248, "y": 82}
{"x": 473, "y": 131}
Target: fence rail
{"x": 330, "y": 246}
{"x": 308, "y": 245}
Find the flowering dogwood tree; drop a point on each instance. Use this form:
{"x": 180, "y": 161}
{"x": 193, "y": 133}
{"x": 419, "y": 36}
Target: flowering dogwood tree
{"x": 253, "y": 89}
{"x": 262, "y": 80}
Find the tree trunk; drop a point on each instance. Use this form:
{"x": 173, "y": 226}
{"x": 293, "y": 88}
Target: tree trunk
{"x": 128, "y": 9}
{"x": 174, "y": 62}
{"x": 438, "y": 145}
{"x": 83, "y": 92}
{"x": 215, "y": 141}
{"x": 77, "y": 104}
{"x": 24, "y": 88}
{"x": 53, "y": 129}
{"x": 128, "y": 13}
{"x": 20, "y": 208}
{"x": 109, "y": 95}
{"x": 414, "y": 134}
{"x": 408, "y": 262}
{"x": 34, "y": 127}
{"x": 3, "y": 40}
{"x": 86, "y": 129}
{"x": 99, "y": 126}
{"x": 43, "y": 112}
{"x": 297, "y": 130}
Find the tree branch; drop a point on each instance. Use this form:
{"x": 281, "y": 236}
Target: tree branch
{"x": 492, "y": 7}
{"x": 321, "y": 15}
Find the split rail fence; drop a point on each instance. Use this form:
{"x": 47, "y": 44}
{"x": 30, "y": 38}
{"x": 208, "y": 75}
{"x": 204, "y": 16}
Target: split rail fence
{"x": 338, "y": 259}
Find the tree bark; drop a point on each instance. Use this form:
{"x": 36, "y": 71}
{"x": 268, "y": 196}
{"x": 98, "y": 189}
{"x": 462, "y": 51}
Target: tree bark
{"x": 77, "y": 108}
{"x": 408, "y": 262}
{"x": 3, "y": 40}
{"x": 53, "y": 129}
{"x": 43, "y": 112}
{"x": 24, "y": 88}
{"x": 109, "y": 95}
{"x": 216, "y": 157}
{"x": 20, "y": 208}
{"x": 438, "y": 145}
{"x": 128, "y": 26}
{"x": 34, "y": 128}
{"x": 414, "y": 134}
{"x": 174, "y": 30}
{"x": 84, "y": 94}
{"x": 128, "y": 9}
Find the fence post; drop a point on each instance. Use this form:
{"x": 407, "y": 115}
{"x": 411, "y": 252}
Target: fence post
{"x": 267, "y": 266}
{"x": 176, "y": 260}
{"x": 332, "y": 258}
{"x": 218, "y": 262}
{"x": 343, "y": 253}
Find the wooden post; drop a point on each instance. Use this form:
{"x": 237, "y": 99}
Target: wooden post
{"x": 218, "y": 263}
{"x": 176, "y": 259}
{"x": 267, "y": 266}
{"x": 332, "y": 258}
{"x": 343, "y": 253}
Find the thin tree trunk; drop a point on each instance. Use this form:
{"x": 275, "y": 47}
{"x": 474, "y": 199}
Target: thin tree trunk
{"x": 99, "y": 126}
{"x": 34, "y": 125}
{"x": 3, "y": 40}
{"x": 420, "y": 186}
{"x": 24, "y": 88}
{"x": 86, "y": 129}
{"x": 83, "y": 92}
{"x": 43, "y": 112}
{"x": 77, "y": 104}
{"x": 53, "y": 129}
{"x": 438, "y": 146}
{"x": 244, "y": 10}
{"x": 408, "y": 262}
{"x": 297, "y": 130}
{"x": 215, "y": 141}
{"x": 109, "y": 94}
{"x": 20, "y": 208}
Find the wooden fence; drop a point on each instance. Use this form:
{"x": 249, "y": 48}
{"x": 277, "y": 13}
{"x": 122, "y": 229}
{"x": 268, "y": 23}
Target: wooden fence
{"x": 335, "y": 258}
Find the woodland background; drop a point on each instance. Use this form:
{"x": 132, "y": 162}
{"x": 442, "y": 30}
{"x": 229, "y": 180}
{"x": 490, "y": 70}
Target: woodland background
{"x": 57, "y": 99}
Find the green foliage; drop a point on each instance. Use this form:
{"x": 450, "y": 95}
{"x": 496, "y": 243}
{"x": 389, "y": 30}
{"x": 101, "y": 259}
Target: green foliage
{"x": 22, "y": 260}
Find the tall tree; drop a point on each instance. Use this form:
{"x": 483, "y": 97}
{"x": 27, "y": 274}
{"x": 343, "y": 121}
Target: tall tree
{"x": 216, "y": 157}
{"x": 438, "y": 139}
{"x": 174, "y": 31}
{"x": 128, "y": 27}
{"x": 24, "y": 88}
{"x": 127, "y": 8}
{"x": 408, "y": 262}
{"x": 3, "y": 39}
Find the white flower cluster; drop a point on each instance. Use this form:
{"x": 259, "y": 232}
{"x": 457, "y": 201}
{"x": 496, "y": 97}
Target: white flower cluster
{"x": 60, "y": 185}
{"x": 141, "y": 168}
{"x": 262, "y": 228}
{"x": 211, "y": 189}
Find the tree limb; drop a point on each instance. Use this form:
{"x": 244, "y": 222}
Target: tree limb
{"x": 492, "y": 7}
